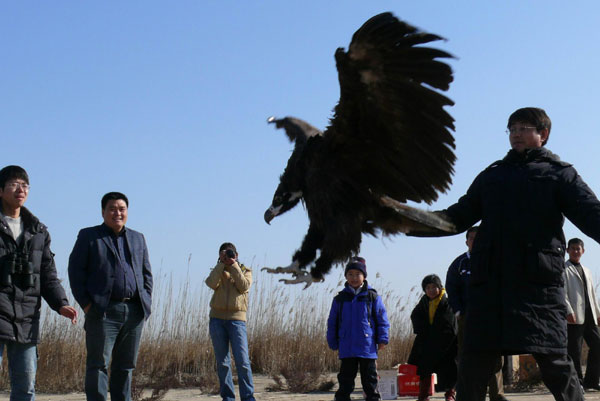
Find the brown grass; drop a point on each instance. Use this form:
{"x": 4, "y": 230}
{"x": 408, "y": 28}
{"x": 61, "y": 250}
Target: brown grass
{"x": 286, "y": 331}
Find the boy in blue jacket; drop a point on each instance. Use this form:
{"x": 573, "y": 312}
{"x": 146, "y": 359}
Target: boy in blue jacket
{"x": 358, "y": 327}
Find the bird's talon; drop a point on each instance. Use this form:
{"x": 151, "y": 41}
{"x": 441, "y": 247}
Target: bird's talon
{"x": 293, "y": 269}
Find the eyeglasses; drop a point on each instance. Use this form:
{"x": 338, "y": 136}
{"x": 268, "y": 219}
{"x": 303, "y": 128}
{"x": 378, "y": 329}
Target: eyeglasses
{"x": 519, "y": 130}
{"x": 14, "y": 185}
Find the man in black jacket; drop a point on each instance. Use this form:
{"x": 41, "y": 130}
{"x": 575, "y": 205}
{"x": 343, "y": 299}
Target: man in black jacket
{"x": 27, "y": 272}
{"x": 516, "y": 288}
{"x": 457, "y": 287}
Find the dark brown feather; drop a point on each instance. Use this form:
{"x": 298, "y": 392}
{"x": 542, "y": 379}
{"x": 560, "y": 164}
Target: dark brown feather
{"x": 390, "y": 136}
{"x": 388, "y": 90}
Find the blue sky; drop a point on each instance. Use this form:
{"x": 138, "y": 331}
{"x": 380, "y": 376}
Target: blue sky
{"x": 167, "y": 102}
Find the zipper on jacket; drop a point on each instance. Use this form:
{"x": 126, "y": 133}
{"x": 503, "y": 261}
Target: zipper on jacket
{"x": 227, "y": 286}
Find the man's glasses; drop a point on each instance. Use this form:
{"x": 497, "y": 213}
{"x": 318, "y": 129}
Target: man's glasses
{"x": 519, "y": 129}
{"x": 13, "y": 186}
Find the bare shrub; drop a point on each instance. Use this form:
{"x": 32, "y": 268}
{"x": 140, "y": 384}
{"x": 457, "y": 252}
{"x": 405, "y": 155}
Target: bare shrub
{"x": 294, "y": 346}
{"x": 286, "y": 332}
{"x": 61, "y": 363}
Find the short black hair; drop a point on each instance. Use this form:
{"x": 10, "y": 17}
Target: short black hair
{"x": 431, "y": 279}
{"x": 531, "y": 115}
{"x": 473, "y": 229}
{"x": 575, "y": 241}
{"x": 113, "y": 196}
{"x": 227, "y": 245}
{"x": 11, "y": 173}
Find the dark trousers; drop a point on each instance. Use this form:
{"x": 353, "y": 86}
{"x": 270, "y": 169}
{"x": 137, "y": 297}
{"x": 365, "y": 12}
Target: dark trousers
{"x": 368, "y": 378}
{"x": 590, "y": 333}
{"x": 496, "y": 383}
{"x": 558, "y": 374}
{"x": 113, "y": 335}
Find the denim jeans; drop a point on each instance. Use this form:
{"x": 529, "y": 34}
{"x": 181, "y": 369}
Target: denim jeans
{"x": 115, "y": 333}
{"x": 22, "y": 365}
{"x": 223, "y": 333}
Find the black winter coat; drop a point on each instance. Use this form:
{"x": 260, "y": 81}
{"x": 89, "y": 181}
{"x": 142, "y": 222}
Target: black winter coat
{"x": 434, "y": 349}
{"x": 19, "y": 304}
{"x": 457, "y": 283}
{"x": 517, "y": 300}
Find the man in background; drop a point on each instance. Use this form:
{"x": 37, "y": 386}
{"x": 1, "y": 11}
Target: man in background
{"x": 583, "y": 314}
{"x": 457, "y": 283}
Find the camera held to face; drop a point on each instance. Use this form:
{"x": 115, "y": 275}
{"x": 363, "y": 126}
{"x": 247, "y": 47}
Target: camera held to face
{"x": 230, "y": 253}
{"x": 16, "y": 265}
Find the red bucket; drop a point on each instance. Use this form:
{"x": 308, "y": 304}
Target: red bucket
{"x": 408, "y": 385}
{"x": 406, "y": 369}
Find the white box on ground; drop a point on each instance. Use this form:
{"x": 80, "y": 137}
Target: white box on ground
{"x": 388, "y": 384}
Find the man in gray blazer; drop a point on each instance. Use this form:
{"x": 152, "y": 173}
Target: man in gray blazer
{"x": 111, "y": 279}
{"x": 583, "y": 315}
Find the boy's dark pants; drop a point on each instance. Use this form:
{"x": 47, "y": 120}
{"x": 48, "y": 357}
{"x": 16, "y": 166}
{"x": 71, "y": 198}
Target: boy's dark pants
{"x": 368, "y": 378}
{"x": 558, "y": 374}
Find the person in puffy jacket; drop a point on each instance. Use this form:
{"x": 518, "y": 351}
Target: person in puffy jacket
{"x": 231, "y": 282}
{"x": 27, "y": 274}
{"x": 435, "y": 347}
{"x": 516, "y": 290}
{"x": 357, "y": 328}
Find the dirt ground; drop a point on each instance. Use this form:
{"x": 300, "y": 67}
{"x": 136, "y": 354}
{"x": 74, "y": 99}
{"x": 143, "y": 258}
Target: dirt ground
{"x": 261, "y": 382}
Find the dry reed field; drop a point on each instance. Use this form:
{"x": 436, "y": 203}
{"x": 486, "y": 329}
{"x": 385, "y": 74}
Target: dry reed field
{"x": 286, "y": 333}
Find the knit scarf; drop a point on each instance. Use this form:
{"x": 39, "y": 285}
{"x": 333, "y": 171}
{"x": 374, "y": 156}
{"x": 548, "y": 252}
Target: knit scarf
{"x": 433, "y": 304}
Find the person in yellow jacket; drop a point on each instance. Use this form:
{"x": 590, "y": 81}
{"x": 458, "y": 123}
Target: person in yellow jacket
{"x": 231, "y": 282}
{"x": 434, "y": 349}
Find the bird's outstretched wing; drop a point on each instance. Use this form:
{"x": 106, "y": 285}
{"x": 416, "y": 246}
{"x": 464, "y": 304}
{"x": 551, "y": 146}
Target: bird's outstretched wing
{"x": 390, "y": 127}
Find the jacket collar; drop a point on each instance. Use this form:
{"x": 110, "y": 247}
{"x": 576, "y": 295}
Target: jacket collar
{"x": 425, "y": 299}
{"x": 568, "y": 263}
{"x": 30, "y": 223}
{"x": 108, "y": 234}
{"x": 365, "y": 287}
{"x": 529, "y": 155}
{"x": 108, "y": 231}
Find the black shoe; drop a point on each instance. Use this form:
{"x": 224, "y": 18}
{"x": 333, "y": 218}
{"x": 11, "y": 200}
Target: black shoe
{"x": 500, "y": 398}
{"x": 587, "y": 387}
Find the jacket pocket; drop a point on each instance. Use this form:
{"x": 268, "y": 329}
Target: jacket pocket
{"x": 218, "y": 300}
{"x": 546, "y": 266}
{"x": 369, "y": 341}
{"x": 241, "y": 302}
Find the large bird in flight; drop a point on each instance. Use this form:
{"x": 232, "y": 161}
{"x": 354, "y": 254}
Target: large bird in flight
{"x": 388, "y": 142}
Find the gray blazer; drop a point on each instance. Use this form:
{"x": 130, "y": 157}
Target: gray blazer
{"x": 92, "y": 264}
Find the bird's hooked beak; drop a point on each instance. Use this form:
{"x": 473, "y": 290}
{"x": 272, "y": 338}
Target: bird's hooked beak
{"x": 271, "y": 213}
